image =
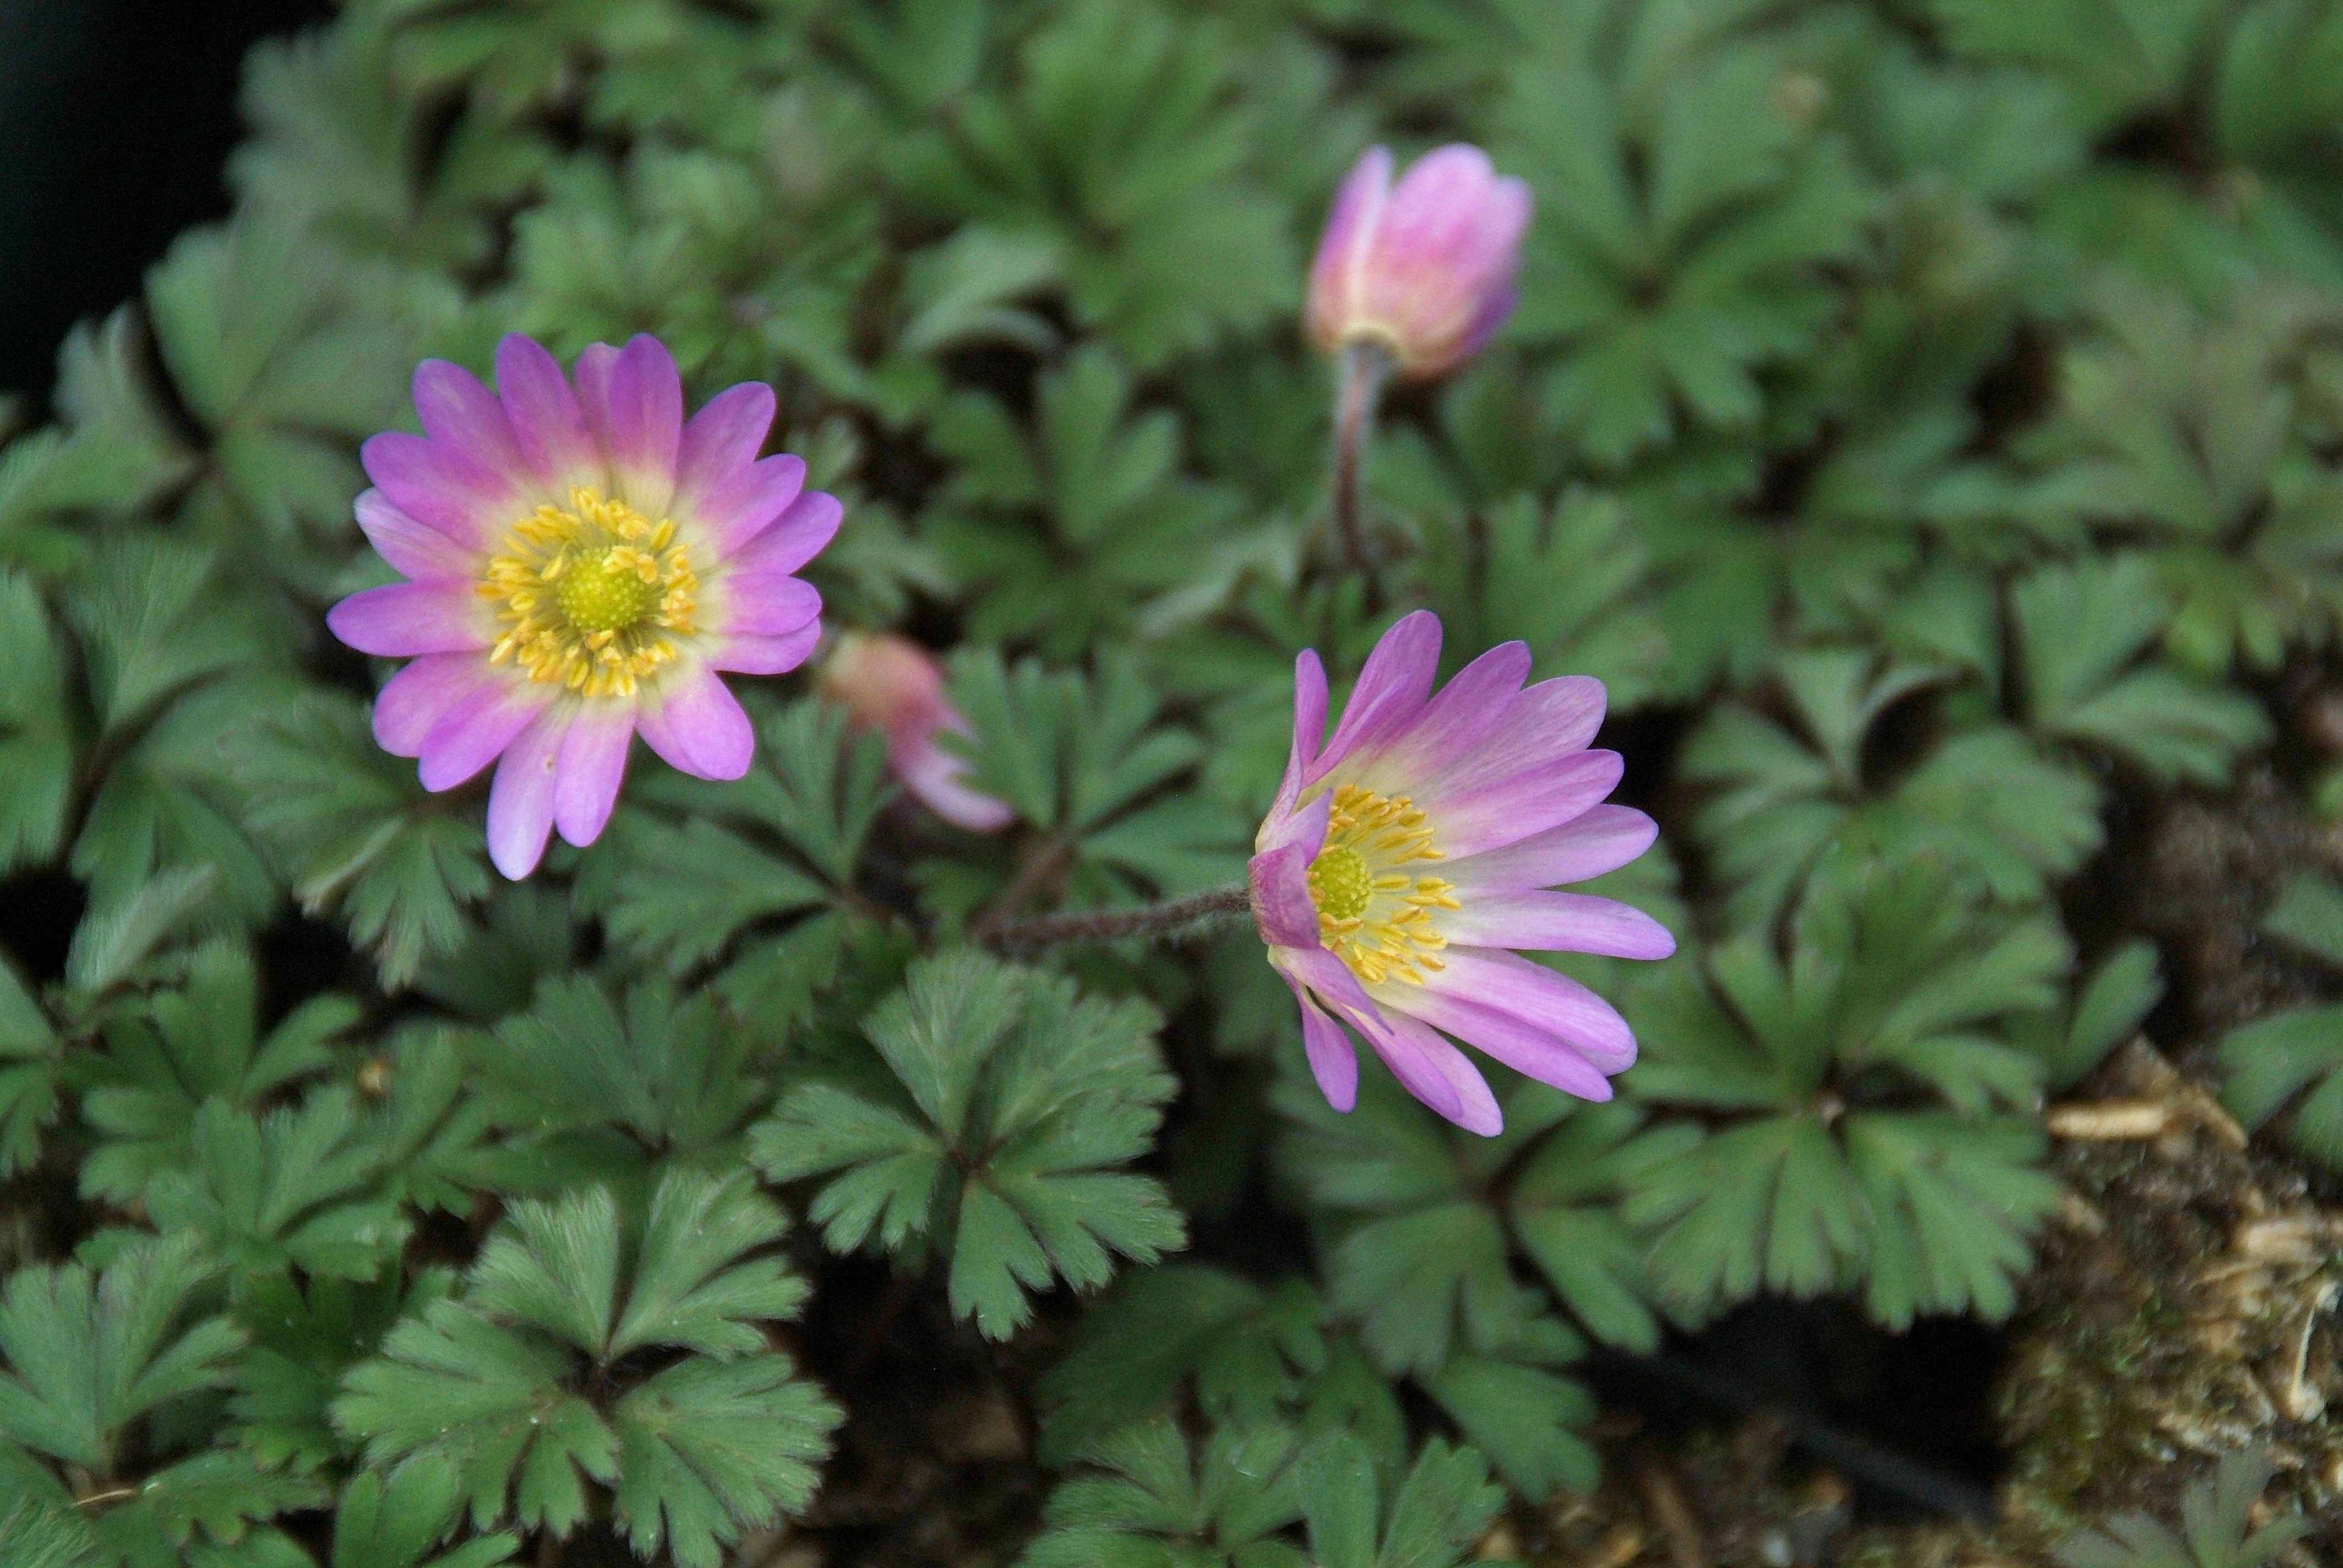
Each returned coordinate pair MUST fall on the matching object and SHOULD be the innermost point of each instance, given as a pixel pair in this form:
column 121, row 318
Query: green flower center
column 1340, row 884
column 1374, row 911
column 600, row 594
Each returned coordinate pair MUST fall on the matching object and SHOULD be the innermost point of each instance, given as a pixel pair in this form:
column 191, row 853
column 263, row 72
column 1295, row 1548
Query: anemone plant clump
column 1256, row 872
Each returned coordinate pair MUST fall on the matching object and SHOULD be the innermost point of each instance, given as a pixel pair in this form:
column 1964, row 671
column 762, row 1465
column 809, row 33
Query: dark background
column 115, row 118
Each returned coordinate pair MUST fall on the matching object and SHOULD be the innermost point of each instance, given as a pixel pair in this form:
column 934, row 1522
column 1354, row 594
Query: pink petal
column 765, row 655
column 760, row 519
column 413, row 550
column 1343, row 249
column 1601, row 840
column 1390, row 692
column 1334, row 1061
column 547, row 426
column 520, row 801
column 1309, row 710
column 937, row 778
column 1450, row 726
column 720, row 440
column 1541, row 723
column 405, row 619
column 768, row 604
column 1433, row 1070
column 1537, row 1002
column 1557, row 923
column 1438, row 210
column 463, row 416
column 1279, row 827
column 442, row 489
column 1528, row 1050
column 476, row 730
column 420, row 695
column 696, row 723
column 1281, row 896
column 1305, row 829
column 1530, row 802
column 633, row 401
column 591, row 767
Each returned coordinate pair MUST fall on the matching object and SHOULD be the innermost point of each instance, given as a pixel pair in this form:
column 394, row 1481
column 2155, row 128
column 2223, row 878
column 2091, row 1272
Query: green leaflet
column 717, row 1443
column 1015, row 1100
column 2289, row 1057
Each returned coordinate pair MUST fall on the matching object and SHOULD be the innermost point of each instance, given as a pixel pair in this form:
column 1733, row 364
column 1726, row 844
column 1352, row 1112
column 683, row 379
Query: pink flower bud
column 1426, row 269
column 892, row 684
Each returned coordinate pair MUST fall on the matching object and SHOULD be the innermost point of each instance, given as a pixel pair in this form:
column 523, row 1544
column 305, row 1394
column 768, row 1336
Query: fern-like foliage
column 2288, row 1061
column 1010, row 1102
column 719, row 1440
column 2216, row 1527
column 1869, row 1128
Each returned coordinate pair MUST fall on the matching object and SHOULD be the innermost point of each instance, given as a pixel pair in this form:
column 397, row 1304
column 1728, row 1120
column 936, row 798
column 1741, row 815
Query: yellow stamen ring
column 1373, row 913
column 592, row 597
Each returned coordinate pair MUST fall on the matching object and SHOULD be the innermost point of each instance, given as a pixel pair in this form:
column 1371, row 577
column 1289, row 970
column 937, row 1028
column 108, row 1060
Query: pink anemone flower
column 894, row 686
column 1406, row 857
column 1424, row 268
column 582, row 565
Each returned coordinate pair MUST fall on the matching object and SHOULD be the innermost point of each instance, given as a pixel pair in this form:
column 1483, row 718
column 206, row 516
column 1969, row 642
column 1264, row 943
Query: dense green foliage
column 1926, row 416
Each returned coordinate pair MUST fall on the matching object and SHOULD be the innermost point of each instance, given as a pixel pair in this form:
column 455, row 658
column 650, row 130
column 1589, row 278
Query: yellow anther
column 592, row 596
column 1372, row 914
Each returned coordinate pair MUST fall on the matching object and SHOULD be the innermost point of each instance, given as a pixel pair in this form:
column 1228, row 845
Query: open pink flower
column 581, row 564
column 1491, row 785
column 1426, row 269
column 892, row 684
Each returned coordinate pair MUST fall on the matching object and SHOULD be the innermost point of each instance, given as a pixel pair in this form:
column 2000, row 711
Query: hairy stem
column 1174, row 920
column 1365, row 366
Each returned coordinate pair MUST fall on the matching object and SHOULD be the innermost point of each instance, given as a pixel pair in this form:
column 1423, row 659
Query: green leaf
column 2080, row 628
column 961, row 291
column 85, row 1357
column 1248, row 1350
column 219, row 1493
column 1525, row 1418
column 1441, row 1508
column 717, row 1442
column 2271, row 1062
column 2113, row 56
column 1894, row 973
column 709, row 1450
column 1569, row 581
column 395, row 1519
column 29, row 1064
column 1952, row 1204
column 303, row 1340
column 291, row 1189
column 287, row 356
column 2106, row 1011
column 34, row 1534
column 1565, row 1215
column 1018, row 1098
column 187, row 1045
column 2309, row 914
column 2216, row 1514
column 351, row 829
column 36, row 745
column 690, row 1287
column 1160, row 1502
column 112, row 944
column 493, row 1402
column 670, row 1071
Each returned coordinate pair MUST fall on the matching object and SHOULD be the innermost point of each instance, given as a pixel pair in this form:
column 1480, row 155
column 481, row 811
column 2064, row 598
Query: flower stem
column 1175, row 920
column 1365, row 366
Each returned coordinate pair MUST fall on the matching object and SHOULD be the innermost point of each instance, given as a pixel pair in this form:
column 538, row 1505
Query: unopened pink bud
column 1425, row 270
column 892, row 684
